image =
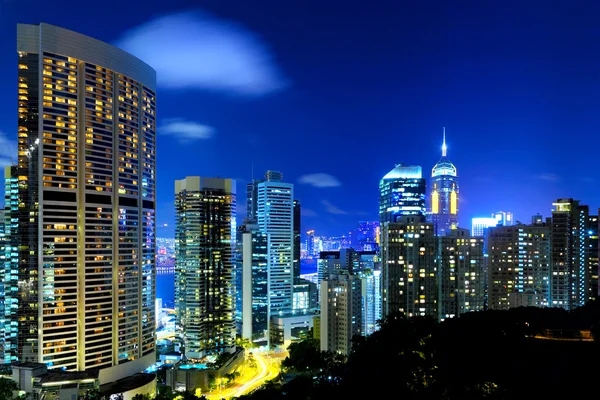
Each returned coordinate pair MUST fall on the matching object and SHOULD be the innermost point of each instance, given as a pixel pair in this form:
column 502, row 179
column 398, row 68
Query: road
column 268, row 368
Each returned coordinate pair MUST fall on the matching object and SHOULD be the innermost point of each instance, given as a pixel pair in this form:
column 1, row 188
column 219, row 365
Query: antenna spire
column 444, row 144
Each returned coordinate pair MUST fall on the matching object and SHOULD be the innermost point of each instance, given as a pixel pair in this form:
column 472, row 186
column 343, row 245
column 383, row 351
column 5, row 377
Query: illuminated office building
column 480, row 225
column 570, row 269
column 204, row 245
column 519, row 266
column 504, row 218
column 444, row 194
column 10, row 261
column 275, row 218
column 409, row 272
column 371, row 299
column 85, row 232
column 461, row 274
column 401, row 193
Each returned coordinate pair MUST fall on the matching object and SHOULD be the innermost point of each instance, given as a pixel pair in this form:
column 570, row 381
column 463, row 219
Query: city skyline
column 505, row 110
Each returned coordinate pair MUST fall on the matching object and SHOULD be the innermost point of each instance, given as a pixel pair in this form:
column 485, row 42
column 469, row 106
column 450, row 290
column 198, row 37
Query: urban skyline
column 490, row 150
column 420, row 292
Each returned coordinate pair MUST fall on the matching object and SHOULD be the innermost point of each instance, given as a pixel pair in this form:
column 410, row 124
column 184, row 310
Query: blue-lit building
column 9, row 261
column 402, row 193
column 444, row 194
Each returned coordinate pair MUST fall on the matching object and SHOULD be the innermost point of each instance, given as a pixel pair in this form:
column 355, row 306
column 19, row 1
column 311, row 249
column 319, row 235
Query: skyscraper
column 461, row 274
column 297, row 240
column 253, row 285
column 204, row 245
column 519, row 266
column 10, row 262
column 85, row 231
column 444, row 194
column 570, row 274
column 341, row 312
column 592, row 247
column 274, row 215
column 409, row 272
column 401, row 192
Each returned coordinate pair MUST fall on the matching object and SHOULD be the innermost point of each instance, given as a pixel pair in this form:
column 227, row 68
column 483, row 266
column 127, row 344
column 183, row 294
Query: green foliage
column 140, row 396
column 7, row 387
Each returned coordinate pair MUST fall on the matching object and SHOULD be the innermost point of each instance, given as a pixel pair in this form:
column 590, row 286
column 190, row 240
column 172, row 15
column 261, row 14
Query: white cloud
column 320, row 180
column 194, row 49
column 549, row 177
column 307, row 212
column 8, row 151
column 330, row 208
column 186, row 131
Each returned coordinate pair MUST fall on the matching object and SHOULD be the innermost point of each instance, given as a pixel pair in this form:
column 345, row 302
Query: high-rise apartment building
column 519, row 266
column 401, row 192
column 592, row 247
column 85, row 224
column 461, row 274
column 205, row 228
column 570, row 269
column 409, row 271
column 341, row 312
column 444, row 194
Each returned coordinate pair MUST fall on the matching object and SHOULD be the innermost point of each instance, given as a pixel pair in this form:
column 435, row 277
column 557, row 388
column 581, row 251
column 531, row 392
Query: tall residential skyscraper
column 86, row 220
column 593, row 249
column 461, row 274
column 409, row 272
column 341, row 312
column 570, row 274
column 401, row 192
column 444, row 194
column 519, row 266
column 205, row 228
column 297, row 240
column 274, row 215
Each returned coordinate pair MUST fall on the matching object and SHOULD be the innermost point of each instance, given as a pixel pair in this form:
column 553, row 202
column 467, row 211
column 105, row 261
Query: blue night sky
column 350, row 88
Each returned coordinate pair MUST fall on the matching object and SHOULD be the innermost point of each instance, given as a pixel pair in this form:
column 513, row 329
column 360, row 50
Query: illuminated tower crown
column 444, row 193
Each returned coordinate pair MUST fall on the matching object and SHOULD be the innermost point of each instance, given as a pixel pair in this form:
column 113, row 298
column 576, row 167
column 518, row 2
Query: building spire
column 444, row 144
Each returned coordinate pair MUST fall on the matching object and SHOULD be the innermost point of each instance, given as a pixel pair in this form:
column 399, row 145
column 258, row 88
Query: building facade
column 401, row 193
column 519, row 266
column 461, row 273
column 444, row 194
column 205, row 227
column 570, row 269
column 86, row 231
column 592, row 232
column 9, row 256
column 253, row 285
column 275, row 218
column 297, row 238
column 409, row 270
column 341, row 312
